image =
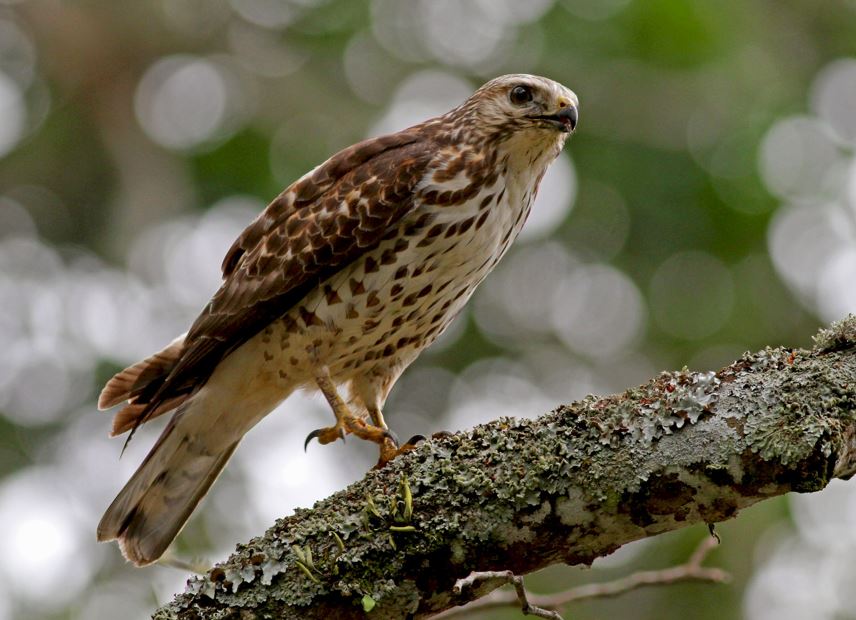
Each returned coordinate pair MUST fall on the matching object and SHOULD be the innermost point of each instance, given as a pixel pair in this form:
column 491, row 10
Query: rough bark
column 570, row 486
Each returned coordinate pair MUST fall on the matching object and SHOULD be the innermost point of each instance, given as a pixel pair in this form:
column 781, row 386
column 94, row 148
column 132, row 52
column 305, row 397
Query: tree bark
column 570, row 486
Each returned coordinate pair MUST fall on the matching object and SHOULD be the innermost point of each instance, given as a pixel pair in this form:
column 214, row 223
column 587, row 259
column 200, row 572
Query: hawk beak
column 565, row 120
column 568, row 117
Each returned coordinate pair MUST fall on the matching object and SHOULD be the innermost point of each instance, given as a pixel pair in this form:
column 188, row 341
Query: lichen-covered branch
column 570, row 486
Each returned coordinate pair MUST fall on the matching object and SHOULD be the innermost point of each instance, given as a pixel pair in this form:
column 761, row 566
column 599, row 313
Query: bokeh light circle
column 184, row 101
column 691, row 295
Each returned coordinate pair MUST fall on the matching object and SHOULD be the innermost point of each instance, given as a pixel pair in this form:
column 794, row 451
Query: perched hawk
column 342, row 281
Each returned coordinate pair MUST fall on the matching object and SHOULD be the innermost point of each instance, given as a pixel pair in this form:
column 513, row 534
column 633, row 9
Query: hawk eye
column 520, row 94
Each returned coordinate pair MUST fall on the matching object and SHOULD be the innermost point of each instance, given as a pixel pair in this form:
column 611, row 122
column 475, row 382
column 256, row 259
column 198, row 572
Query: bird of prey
column 339, row 283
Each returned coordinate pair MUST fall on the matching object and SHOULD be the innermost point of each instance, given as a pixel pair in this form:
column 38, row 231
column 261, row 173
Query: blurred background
column 706, row 206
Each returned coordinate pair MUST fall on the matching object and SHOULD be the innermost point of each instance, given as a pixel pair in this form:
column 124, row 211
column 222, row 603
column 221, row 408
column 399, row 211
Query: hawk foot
column 353, row 425
column 390, row 451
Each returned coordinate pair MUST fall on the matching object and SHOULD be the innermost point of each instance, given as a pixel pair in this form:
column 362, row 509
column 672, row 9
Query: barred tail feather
column 156, row 502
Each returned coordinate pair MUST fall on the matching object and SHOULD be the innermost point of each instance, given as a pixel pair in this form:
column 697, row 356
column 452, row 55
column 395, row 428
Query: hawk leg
column 389, row 448
column 347, row 422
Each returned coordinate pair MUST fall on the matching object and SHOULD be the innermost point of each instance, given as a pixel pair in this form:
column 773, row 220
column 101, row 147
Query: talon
column 325, row 435
column 310, row 437
column 415, row 440
column 388, row 434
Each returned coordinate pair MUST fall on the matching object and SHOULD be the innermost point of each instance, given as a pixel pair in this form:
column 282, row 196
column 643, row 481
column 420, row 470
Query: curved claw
column 322, row 435
column 310, row 437
column 415, row 440
column 392, row 437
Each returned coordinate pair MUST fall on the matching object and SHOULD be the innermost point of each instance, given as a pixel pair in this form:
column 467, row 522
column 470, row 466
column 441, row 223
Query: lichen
column 840, row 335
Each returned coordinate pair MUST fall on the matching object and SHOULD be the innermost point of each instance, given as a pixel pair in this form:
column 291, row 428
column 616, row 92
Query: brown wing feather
column 314, row 228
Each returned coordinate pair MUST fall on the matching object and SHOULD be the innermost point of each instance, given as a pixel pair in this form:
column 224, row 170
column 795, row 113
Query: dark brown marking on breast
column 388, row 350
column 309, row 318
column 435, row 230
column 357, row 287
column 506, row 237
column 388, row 257
column 409, row 300
column 486, row 201
column 466, row 224
column 372, row 299
column 450, row 198
column 369, row 325
column 370, row 265
column 482, row 219
column 331, row 295
column 396, row 290
column 401, row 272
column 403, row 342
column 451, row 231
column 282, row 374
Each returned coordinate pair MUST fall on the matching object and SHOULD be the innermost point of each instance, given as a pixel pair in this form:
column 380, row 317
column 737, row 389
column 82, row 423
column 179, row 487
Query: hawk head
column 525, row 103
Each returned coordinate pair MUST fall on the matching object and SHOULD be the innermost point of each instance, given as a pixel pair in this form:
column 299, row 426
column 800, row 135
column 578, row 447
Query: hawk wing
column 316, row 227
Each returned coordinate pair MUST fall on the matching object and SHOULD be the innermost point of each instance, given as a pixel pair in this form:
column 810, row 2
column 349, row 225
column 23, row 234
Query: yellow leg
column 346, row 421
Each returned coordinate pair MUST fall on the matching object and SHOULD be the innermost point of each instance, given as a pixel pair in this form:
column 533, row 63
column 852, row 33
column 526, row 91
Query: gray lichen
column 571, row 486
column 841, row 334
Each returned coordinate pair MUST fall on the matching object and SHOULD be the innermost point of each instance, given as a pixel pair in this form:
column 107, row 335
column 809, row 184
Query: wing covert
column 316, row 227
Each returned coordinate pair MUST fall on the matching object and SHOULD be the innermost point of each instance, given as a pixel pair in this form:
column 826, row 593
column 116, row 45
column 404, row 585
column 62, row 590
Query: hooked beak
column 565, row 120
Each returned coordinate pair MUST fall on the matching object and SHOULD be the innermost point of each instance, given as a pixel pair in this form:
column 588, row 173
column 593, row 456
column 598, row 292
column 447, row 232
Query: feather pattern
column 354, row 269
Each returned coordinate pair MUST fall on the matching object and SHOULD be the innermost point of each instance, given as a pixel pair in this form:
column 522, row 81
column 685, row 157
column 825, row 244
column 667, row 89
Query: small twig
column 520, row 594
column 538, row 605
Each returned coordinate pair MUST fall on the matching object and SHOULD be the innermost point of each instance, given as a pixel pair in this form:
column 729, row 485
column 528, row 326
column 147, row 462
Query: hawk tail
column 137, row 384
column 154, row 505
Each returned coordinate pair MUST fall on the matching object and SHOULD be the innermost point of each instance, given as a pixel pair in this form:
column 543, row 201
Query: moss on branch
column 570, row 486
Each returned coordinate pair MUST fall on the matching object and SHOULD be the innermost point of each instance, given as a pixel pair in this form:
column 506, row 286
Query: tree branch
column 691, row 570
column 570, row 486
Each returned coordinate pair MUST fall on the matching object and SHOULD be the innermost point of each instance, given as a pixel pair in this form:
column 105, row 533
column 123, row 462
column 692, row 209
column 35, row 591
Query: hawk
column 339, row 283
